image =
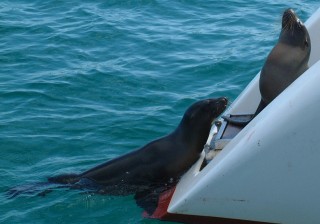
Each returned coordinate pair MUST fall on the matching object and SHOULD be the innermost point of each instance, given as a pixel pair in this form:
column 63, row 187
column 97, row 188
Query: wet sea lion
column 162, row 159
column 150, row 169
column 285, row 63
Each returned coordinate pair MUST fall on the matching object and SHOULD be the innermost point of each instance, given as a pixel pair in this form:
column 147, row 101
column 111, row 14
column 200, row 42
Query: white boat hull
column 269, row 171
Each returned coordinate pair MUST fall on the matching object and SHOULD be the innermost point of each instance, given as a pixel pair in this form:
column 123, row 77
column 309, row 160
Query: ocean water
column 82, row 82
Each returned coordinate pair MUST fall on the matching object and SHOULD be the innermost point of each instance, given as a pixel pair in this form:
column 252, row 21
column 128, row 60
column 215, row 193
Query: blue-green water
column 82, row 82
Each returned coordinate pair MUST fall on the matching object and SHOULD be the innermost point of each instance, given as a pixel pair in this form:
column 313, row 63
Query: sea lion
column 285, row 63
column 151, row 169
column 161, row 160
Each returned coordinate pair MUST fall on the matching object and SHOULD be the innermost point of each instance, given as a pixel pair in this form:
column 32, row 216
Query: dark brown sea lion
column 286, row 62
column 149, row 170
column 163, row 159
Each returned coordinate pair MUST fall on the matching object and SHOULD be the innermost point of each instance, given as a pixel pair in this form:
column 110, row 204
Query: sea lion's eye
column 306, row 43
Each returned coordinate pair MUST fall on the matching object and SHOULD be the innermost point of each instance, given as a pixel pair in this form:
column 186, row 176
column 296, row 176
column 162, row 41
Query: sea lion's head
column 205, row 111
column 294, row 32
column 197, row 120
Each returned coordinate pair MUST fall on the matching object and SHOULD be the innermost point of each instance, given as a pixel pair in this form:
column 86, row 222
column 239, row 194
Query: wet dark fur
column 148, row 171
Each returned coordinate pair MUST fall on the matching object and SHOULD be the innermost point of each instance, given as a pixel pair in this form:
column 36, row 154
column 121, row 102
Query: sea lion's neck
column 193, row 138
